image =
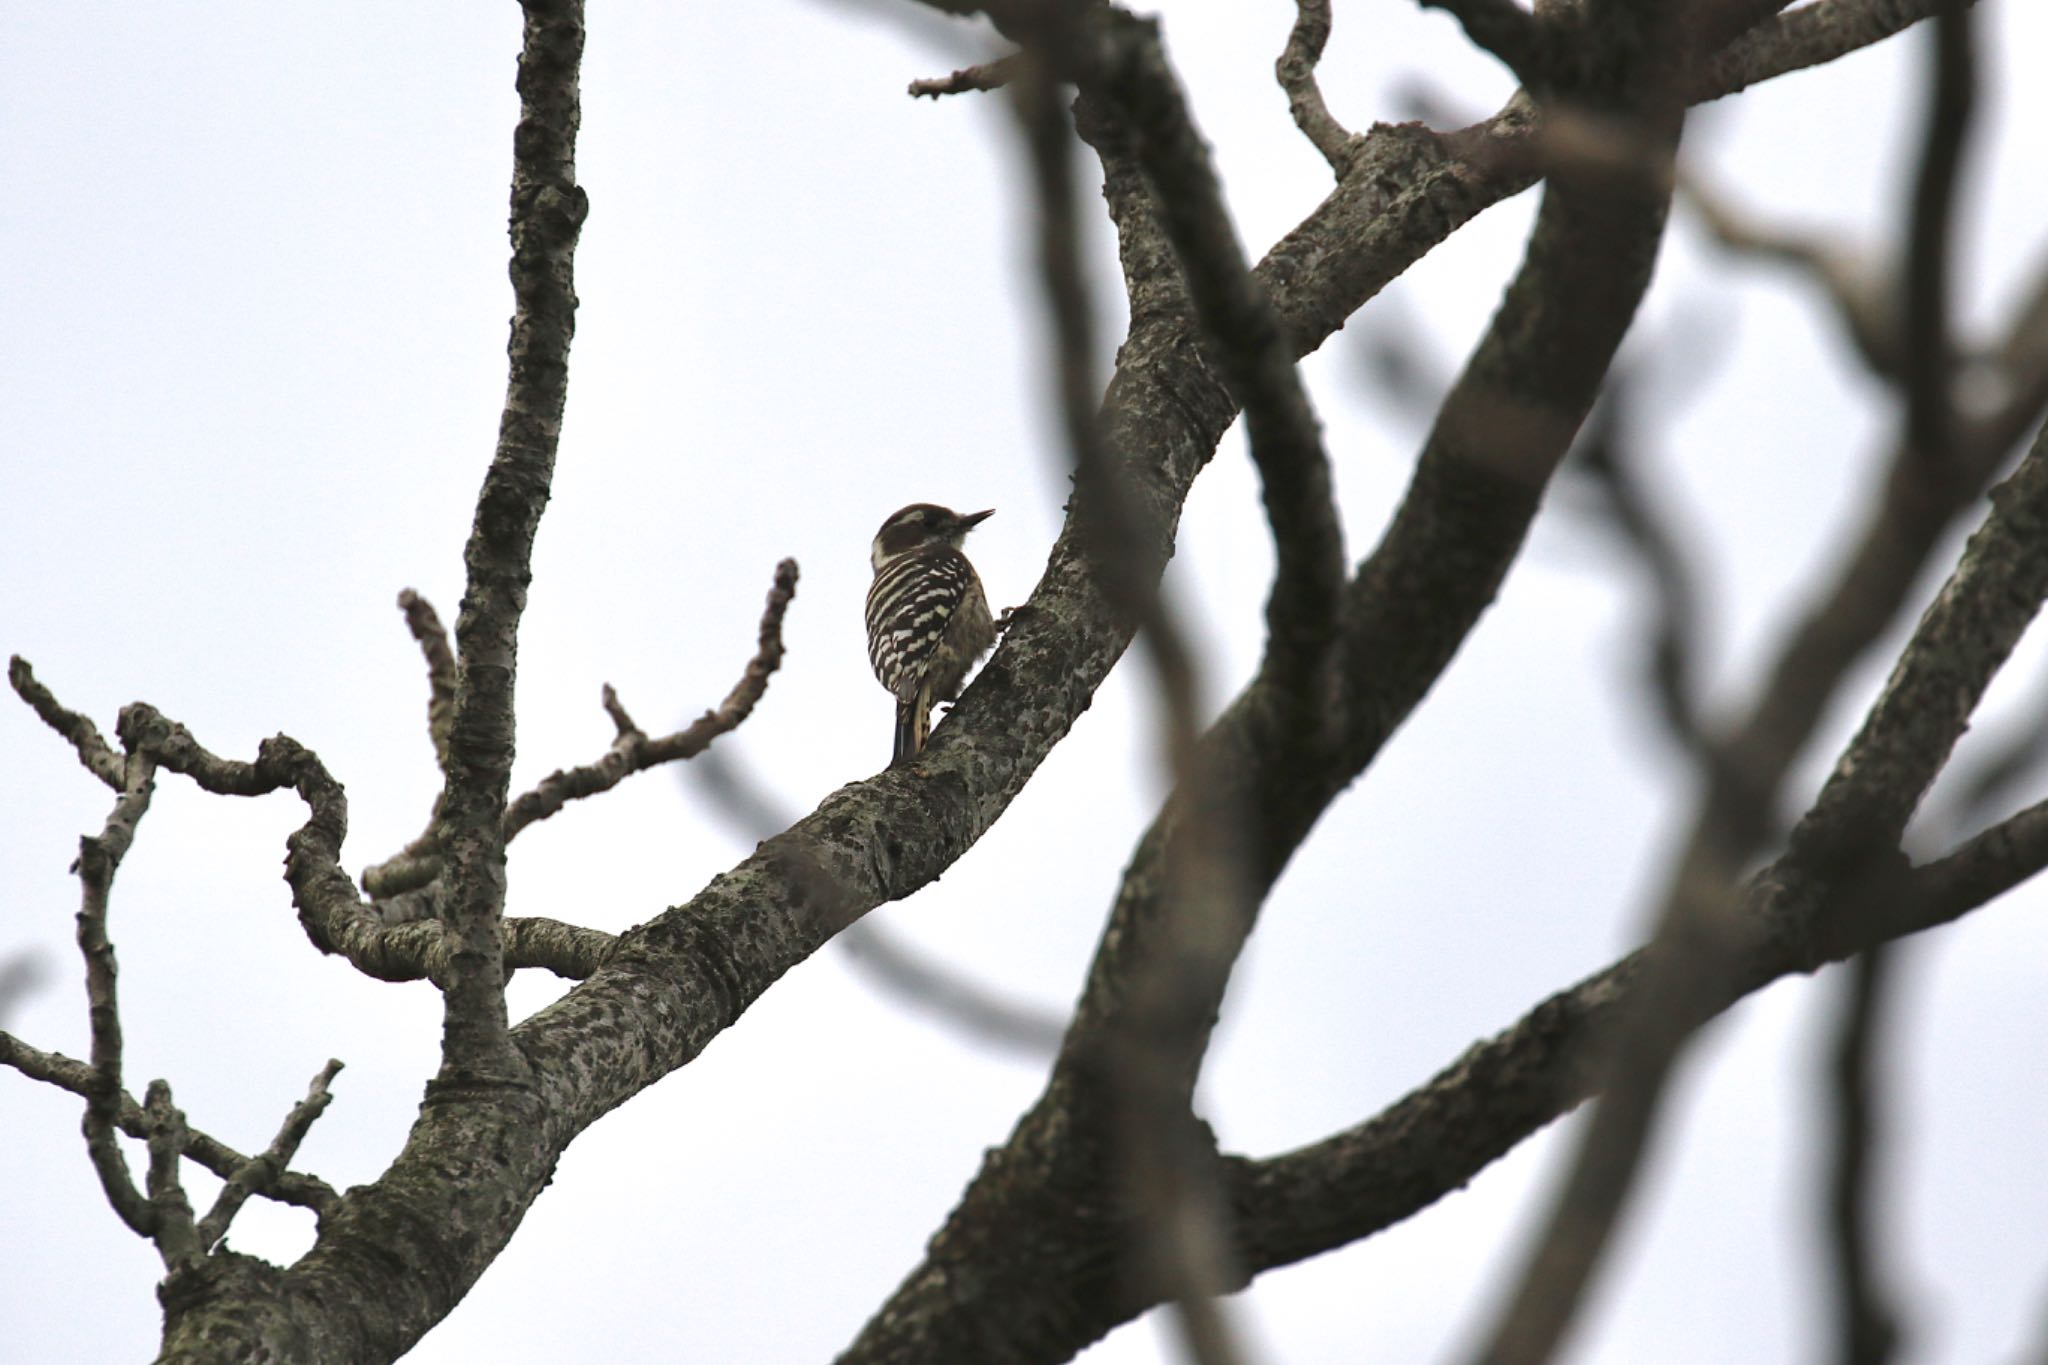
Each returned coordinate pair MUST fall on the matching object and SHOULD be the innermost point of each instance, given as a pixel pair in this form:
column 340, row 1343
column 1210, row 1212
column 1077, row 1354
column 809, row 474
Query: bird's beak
column 973, row 519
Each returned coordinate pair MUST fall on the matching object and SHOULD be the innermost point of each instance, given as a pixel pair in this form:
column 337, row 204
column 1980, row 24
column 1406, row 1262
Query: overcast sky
column 256, row 306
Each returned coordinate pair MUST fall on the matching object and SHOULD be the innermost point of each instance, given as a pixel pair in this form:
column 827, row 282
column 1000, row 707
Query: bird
column 928, row 618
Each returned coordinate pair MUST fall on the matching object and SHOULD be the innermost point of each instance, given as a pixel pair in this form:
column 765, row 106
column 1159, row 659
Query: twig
column 1670, row 659
column 1929, row 361
column 67, row 1073
column 1868, row 312
column 977, row 1012
column 1866, row 1326
column 1808, row 36
column 176, row 1241
column 1295, row 69
column 261, row 1171
column 986, row 76
column 417, row 865
column 99, row 857
column 427, row 630
column 633, row 752
column 94, row 752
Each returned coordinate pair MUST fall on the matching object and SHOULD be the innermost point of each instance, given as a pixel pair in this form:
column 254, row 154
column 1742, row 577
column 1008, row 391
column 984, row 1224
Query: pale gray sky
column 256, row 305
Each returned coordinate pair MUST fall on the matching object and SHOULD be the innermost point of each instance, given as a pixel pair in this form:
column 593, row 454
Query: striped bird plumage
column 927, row 616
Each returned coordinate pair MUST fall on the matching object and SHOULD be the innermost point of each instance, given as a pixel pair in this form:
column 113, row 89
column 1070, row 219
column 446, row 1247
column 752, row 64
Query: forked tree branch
column 1295, row 69
column 1521, row 40
column 68, row 1073
column 1477, row 484
column 400, row 1251
column 548, row 208
column 1848, row 841
column 633, row 752
column 1437, row 1138
column 263, row 1170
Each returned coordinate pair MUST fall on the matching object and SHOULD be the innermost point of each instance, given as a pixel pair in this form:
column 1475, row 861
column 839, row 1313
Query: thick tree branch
column 1476, row 487
column 1808, row 36
column 1254, row 357
column 1434, row 1140
column 548, row 208
column 1845, row 842
column 1115, row 534
column 1178, row 1245
column 1913, row 511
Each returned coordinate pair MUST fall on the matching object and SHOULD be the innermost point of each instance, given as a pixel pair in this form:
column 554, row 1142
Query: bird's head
column 920, row 526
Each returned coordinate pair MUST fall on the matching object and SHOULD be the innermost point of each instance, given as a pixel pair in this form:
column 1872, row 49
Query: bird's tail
column 913, row 723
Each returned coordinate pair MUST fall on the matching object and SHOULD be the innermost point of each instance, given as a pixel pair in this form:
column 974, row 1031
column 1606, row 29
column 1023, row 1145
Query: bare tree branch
column 66, row 1073
column 986, row 76
column 1866, row 1326
column 1177, row 1246
column 261, row 1171
column 633, row 752
column 1296, row 71
column 1503, row 28
column 1869, row 313
column 176, row 1240
column 1254, row 356
column 419, row 862
column 548, row 208
column 432, row 636
column 895, row 967
column 1807, row 36
column 94, row 752
column 1434, row 1140
column 98, row 859
column 1604, row 453
column 1929, row 353
column 1850, row 836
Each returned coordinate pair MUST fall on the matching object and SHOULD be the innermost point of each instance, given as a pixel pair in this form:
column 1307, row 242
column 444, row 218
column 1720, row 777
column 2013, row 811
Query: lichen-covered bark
column 1027, row 1268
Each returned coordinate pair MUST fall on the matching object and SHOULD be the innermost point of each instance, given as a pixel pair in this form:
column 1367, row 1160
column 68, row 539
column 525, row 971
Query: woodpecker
column 928, row 618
